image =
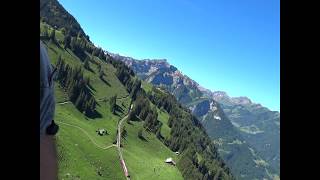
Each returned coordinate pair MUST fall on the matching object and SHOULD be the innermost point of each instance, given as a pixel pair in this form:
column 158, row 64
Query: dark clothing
column 47, row 100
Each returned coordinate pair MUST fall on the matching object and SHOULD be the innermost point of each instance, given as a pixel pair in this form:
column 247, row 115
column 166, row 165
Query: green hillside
column 145, row 158
column 94, row 92
column 247, row 137
column 82, row 152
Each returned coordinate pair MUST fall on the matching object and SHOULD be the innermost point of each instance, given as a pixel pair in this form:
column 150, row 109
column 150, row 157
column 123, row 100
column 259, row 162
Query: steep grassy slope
column 82, row 153
column 234, row 142
column 90, row 79
column 145, row 157
column 52, row 12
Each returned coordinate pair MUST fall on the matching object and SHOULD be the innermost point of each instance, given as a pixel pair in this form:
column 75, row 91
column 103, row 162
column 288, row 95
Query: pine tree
column 79, row 101
column 73, row 44
column 113, row 103
column 95, row 52
column 101, row 74
column 53, row 35
column 99, row 67
column 101, row 54
column 170, row 121
column 86, row 63
column 90, row 105
column 79, row 34
column 140, row 135
column 131, row 115
column 67, row 41
column 158, row 134
column 59, row 61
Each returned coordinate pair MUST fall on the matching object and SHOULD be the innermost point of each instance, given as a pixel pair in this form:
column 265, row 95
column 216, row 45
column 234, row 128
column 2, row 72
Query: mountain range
column 112, row 124
column 214, row 135
column 247, row 134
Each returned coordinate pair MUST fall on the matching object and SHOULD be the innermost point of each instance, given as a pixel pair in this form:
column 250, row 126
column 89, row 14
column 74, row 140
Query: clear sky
column 228, row 45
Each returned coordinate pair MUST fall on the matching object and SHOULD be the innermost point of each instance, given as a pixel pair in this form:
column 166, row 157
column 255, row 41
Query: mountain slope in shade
column 258, row 125
column 237, row 125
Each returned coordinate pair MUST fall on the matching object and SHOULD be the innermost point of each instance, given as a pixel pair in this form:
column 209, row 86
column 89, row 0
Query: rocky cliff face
column 246, row 133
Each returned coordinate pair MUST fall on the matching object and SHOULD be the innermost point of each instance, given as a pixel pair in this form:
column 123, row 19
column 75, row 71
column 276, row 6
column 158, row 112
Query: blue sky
column 228, row 45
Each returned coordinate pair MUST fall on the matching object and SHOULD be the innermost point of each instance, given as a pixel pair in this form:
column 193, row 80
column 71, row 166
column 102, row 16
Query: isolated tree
column 140, row 135
column 95, row 52
column 73, row 44
column 67, row 41
column 170, row 121
column 53, row 35
column 101, row 74
column 99, row 67
column 59, row 61
column 101, row 55
column 113, row 104
column 135, row 88
column 91, row 105
column 82, row 43
column 79, row 34
column 158, row 134
column 86, row 63
column 131, row 115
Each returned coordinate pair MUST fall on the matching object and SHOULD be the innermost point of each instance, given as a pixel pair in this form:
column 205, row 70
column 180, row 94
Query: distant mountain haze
column 247, row 134
column 233, row 43
column 223, row 137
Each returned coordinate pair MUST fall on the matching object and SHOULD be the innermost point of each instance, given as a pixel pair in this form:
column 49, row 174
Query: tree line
column 142, row 108
column 76, row 42
column 76, row 86
column 200, row 159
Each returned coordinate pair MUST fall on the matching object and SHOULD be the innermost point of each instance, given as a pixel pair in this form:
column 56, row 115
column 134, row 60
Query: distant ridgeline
column 247, row 135
column 200, row 159
column 198, row 156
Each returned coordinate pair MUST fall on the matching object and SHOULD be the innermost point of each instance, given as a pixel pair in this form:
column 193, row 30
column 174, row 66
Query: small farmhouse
column 170, row 161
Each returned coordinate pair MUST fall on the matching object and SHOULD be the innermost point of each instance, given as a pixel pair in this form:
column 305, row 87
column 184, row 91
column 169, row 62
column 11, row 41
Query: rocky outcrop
column 202, row 108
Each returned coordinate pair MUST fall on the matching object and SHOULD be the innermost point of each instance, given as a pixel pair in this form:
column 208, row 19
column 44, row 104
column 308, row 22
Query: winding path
column 65, row 102
column 118, row 135
column 119, row 143
column 101, row 99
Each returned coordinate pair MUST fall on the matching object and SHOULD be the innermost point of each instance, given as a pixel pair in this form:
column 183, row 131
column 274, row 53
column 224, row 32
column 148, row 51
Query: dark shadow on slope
column 91, row 87
column 117, row 114
column 119, row 108
column 58, row 45
column 94, row 115
column 53, row 49
column 98, row 103
column 90, row 69
column 68, row 51
column 143, row 138
column 106, row 82
column 80, row 54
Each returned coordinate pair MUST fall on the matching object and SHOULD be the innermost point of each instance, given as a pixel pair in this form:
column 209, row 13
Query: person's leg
column 48, row 161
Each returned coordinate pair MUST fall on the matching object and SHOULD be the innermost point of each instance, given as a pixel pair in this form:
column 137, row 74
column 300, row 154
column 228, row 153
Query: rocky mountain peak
column 241, row 100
